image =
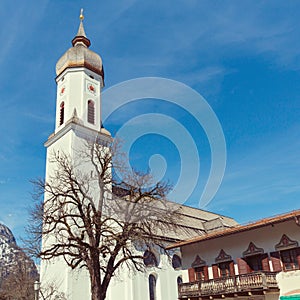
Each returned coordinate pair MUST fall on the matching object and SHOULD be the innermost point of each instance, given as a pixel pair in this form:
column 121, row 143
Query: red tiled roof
column 240, row 228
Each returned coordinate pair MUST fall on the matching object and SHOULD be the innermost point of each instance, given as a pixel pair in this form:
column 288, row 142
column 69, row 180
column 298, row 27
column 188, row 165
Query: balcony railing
column 227, row 285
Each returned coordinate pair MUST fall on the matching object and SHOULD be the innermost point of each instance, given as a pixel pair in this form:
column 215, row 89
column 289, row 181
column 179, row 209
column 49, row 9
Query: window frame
column 152, row 282
column 62, row 113
column 199, row 273
column 224, row 269
column 91, row 112
column 292, row 256
column 150, row 259
column 176, row 262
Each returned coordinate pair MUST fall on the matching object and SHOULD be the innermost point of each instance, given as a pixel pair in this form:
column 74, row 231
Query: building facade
column 80, row 79
column 260, row 260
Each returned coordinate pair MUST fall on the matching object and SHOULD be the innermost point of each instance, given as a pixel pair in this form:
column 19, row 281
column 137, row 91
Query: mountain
column 12, row 258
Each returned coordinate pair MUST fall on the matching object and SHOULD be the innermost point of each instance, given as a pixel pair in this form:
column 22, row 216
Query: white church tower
column 80, row 79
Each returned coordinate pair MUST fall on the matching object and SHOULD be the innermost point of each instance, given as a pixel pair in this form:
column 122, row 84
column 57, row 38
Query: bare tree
column 49, row 292
column 98, row 220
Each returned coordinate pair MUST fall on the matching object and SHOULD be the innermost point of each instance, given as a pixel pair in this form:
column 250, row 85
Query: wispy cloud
column 251, row 25
column 195, row 42
column 40, row 118
column 14, row 34
column 4, row 181
column 263, row 176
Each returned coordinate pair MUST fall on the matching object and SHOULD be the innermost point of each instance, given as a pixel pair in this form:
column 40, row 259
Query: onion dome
column 80, row 55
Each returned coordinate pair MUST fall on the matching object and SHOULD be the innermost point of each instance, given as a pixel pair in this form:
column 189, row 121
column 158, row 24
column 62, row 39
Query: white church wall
column 135, row 286
column 77, row 87
column 127, row 285
column 78, row 284
column 54, row 274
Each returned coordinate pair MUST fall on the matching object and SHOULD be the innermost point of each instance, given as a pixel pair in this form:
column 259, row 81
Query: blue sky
column 243, row 57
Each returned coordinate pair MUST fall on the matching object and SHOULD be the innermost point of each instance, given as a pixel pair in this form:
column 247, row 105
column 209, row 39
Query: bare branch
column 95, row 220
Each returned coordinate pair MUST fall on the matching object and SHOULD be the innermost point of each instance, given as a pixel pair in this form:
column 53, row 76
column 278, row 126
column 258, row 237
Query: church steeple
column 80, row 79
column 80, row 55
column 78, row 122
column 81, row 36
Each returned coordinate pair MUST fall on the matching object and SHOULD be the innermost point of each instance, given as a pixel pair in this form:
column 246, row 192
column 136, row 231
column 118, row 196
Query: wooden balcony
column 230, row 285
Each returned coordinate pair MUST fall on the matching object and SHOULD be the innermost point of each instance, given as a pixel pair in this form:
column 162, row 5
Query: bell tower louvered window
column 91, row 112
column 62, row 113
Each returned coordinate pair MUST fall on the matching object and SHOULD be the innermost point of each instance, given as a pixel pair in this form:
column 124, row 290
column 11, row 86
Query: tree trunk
column 95, row 277
column 96, row 287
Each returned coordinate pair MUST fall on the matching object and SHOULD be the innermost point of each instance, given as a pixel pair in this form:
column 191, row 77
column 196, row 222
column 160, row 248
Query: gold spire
column 79, row 55
column 81, row 17
column 81, row 36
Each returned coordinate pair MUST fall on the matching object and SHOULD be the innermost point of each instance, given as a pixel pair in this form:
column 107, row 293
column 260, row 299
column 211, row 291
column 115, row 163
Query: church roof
column 192, row 222
column 80, row 55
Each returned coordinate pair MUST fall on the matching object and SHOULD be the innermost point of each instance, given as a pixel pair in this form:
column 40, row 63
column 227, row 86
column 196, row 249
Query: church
column 80, row 80
column 210, row 256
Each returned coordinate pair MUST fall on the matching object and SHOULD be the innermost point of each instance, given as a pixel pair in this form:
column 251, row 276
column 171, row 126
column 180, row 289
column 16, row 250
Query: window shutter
column 205, row 271
column 191, row 272
column 231, row 268
column 243, row 266
column 215, row 270
column 265, row 262
column 275, row 258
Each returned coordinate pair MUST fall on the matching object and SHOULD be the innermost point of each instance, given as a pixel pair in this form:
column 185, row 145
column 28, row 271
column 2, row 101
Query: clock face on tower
column 91, row 88
column 62, row 90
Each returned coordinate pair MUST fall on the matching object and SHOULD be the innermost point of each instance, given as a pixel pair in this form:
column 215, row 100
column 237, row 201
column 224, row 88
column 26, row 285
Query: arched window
column 152, row 287
column 150, row 259
column 179, row 281
column 91, row 112
column 62, row 113
column 176, row 262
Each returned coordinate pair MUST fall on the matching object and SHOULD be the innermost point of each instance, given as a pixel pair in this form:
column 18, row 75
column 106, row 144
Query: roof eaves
column 239, row 228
